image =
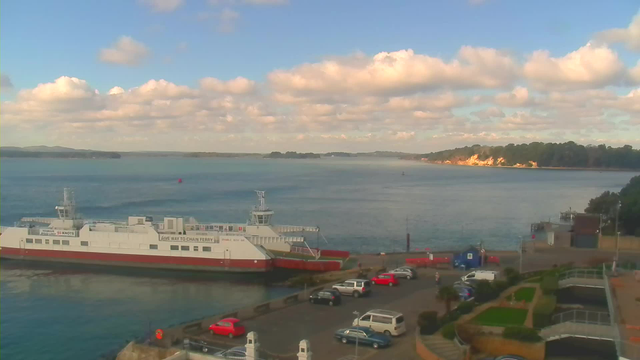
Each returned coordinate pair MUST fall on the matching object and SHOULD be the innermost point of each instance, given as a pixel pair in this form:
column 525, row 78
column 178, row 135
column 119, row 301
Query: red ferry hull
column 147, row 261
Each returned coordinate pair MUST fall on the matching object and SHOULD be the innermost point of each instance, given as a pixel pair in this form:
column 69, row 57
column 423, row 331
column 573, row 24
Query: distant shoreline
column 530, row 168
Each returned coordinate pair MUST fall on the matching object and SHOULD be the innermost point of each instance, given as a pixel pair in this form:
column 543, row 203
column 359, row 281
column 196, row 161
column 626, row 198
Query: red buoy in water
column 179, row 181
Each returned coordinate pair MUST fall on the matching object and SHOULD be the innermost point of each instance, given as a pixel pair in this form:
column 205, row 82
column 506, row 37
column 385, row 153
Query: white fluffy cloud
column 125, row 51
column 238, row 85
column 227, row 20
column 517, row 98
column 629, row 36
column 399, row 72
column 162, row 5
column 588, row 67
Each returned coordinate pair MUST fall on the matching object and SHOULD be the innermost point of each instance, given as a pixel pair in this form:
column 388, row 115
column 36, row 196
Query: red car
column 385, row 279
column 228, row 327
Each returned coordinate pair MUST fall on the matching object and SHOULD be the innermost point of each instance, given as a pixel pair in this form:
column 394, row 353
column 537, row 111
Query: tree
column 447, row 294
column 604, row 205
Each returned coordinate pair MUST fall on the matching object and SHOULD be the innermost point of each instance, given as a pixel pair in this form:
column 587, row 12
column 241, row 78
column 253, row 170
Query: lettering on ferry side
column 184, row 238
column 52, row 232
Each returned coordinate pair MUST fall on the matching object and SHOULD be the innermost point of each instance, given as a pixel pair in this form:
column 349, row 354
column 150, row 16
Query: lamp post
column 521, row 245
column 357, row 314
column 617, row 233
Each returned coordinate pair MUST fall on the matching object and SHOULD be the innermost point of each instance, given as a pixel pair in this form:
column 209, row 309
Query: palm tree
column 447, row 294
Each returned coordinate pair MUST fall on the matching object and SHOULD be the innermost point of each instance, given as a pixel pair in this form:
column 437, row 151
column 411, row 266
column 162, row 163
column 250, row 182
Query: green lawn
column 525, row 293
column 497, row 316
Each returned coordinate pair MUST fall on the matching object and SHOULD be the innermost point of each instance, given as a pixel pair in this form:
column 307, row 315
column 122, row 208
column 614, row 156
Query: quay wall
column 625, row 243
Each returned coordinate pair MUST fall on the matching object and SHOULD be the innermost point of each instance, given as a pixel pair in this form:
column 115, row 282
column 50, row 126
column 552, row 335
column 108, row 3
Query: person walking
column 437, row 278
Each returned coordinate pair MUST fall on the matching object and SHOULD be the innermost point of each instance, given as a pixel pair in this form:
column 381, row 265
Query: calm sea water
column 360, row 204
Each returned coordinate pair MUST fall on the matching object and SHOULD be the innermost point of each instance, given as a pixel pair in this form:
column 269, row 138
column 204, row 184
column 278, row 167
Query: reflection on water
column 82, row 311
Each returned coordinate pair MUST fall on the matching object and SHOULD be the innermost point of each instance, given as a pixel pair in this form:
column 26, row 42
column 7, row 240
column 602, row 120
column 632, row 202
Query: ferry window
column 65, row 242
column 84, row 243
column 206, row 248
column 175, row 247
column 184, row 248
column 55, row 242
column 195, row 248
column 153, row 247
column 38, row 241
column 29, row 241
column 230, row 228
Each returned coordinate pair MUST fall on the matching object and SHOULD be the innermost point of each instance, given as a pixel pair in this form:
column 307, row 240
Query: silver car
column 238, row 353
column 404, row 272
column 354, row 287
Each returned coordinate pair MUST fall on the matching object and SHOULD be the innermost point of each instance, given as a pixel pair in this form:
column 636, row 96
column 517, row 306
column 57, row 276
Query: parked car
column 385, row 279
column 230, row 327
column 384, row 321
column 472, row 283
column 405, row 272
column 364, row 335
column 465, row 293
column 510, row 357
column 481, row 275
column 238, row 352
column 327, row 297
column 355, row 287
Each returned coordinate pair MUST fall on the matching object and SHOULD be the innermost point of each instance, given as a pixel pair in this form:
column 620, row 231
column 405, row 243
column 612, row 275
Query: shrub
column 543, row 310
column 500, row 286
column 521, row 333
column 449, row 317
column 465, row 307
column 428, row 322
column 449, row 331
column 549, row 284
column 511, row 275
column 485, row 292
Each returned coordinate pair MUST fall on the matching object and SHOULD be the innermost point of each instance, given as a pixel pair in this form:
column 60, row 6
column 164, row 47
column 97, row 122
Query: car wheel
column 390, row 284
column 204, row 349
column 344, row 340
column 356, row 294
column 230, row 335
column 330, row 303
column 211, row 331
column 387, row 332
column 375, row 345
column 312, row 301
column 408, row 277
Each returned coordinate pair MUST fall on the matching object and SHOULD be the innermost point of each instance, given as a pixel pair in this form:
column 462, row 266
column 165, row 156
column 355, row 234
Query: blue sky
column 42, row 41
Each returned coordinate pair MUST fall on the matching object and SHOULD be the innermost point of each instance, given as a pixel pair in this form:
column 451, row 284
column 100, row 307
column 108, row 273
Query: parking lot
column 280, row 331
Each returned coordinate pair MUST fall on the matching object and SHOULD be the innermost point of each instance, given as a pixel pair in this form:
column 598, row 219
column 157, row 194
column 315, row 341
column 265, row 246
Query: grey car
column 354, row 287
column 237, row 353
column 405, row 272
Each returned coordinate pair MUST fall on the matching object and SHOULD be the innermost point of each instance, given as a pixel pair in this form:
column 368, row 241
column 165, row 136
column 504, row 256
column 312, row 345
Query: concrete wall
column 626, row 243
column 141, row 352
column 497, row 346
column 562, row 239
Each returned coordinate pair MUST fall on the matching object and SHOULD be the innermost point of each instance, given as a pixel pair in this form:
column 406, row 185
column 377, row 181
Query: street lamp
column 357, row 314
column 617, row 233
column 521, row 245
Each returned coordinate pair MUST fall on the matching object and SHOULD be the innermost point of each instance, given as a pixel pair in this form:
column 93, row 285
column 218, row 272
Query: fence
column 581, row 274
column 583, row 317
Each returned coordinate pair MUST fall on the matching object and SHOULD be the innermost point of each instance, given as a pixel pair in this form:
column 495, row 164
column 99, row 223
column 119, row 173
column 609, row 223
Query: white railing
column 577, row 329
column 581, row 274
column 295, row 228
column 583, row 317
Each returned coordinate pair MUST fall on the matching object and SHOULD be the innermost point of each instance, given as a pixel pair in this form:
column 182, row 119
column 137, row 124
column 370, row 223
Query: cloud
column 399, row 72
column 403, row 135
column 5, row 83
column 588, row 67
column 517, row 98
column 126, row 51
column 446, row 100
column 182, row 47
column 629, row 36
column 634, row 74
column 489, row 113
column 227, row 20
column 163, row 6
column 238, row 85
column 267, row 2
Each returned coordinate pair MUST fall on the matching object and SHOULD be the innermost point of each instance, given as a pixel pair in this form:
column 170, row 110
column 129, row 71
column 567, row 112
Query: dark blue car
column 364, row 335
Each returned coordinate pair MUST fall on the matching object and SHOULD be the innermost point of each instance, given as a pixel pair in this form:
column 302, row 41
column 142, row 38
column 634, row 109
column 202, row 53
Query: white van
column 481, row 275
column 384, row 321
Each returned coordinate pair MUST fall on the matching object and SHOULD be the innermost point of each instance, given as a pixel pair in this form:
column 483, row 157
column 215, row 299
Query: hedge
column 465, row 307
column 428, row 322
column 521, row 333
column 549, row 284
column 485, row 292
column 449, row 317
column 449, row 331
column 543, row 310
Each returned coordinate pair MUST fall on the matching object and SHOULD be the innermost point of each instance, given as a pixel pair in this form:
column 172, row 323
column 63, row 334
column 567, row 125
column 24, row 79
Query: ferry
column 173, row 243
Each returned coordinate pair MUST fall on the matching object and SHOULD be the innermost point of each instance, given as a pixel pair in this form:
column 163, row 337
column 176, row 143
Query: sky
column 318, row 75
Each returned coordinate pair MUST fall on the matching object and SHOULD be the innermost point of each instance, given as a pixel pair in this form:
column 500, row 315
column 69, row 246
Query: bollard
column 305, row 350
column 252, row 346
